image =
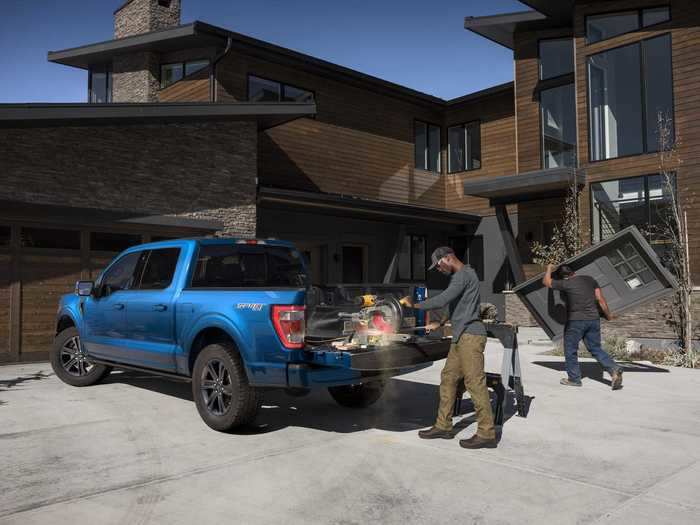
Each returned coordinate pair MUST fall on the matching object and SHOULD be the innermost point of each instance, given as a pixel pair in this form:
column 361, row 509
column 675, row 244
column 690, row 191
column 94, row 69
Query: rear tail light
column 290, row 325
column 251, row 241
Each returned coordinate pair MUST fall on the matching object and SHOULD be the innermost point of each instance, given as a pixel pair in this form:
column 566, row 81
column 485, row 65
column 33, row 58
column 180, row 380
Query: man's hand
column 611, row 316
column 550, row 267
column 406, row 301
column 432, row 326
column 547, row 280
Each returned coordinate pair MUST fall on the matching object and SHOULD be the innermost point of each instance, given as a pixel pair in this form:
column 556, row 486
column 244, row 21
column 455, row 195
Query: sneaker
column 435, row 433
column 477, row 441
column 568, row 382
column 616, row 379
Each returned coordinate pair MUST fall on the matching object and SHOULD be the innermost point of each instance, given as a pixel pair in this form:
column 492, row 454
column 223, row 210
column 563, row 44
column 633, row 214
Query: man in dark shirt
column 583, row 296
column 465, row 360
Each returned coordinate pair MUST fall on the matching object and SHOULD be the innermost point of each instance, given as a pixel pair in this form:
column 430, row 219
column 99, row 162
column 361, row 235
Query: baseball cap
column 438, row 254
column 565, row 271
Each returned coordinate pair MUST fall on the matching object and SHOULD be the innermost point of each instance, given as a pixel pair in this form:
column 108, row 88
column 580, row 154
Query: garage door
column 4, row 293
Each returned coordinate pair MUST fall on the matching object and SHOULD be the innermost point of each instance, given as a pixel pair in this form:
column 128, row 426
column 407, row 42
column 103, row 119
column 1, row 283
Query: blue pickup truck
column 230, row 316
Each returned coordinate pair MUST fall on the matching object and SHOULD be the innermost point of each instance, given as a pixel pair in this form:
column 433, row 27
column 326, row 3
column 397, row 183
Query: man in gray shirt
column 465, row 360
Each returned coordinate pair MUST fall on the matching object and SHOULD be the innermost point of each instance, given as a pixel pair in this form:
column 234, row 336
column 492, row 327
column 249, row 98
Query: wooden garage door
column 4, row 306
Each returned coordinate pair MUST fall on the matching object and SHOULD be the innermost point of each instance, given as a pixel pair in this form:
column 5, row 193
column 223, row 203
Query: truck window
column 160, row 268
column 248, row 266
column 120, row 275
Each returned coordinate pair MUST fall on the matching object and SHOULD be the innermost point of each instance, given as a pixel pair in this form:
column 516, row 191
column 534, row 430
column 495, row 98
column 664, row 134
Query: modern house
column 194, row 129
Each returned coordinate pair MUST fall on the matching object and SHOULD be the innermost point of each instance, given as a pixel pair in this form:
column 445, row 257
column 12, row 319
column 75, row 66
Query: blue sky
column 416, row 43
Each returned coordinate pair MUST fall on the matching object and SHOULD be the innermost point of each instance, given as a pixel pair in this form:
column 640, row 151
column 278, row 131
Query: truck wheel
column 224, row 398
column 357, row 396
column 70, row 362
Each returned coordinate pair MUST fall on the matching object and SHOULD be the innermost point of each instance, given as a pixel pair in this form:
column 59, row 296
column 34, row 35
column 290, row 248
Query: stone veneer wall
column 143, row 16
column 135, row 77
column 645, row 322
column 203, row 170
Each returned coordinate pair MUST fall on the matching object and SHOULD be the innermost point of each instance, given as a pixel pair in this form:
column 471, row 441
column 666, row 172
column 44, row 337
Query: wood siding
column 193, row 88
column 684, row 28
column 496, row 115
column 5, row 295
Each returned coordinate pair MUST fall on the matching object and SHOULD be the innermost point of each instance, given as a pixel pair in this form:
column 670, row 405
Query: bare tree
column 673, row 231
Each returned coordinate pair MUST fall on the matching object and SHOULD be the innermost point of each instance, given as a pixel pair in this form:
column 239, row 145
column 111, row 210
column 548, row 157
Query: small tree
column 673, row 230
column 566, row 237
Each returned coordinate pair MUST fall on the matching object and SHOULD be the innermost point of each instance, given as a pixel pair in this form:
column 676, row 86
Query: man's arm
column 547, row 281
column 441, row 300
column 603, row 304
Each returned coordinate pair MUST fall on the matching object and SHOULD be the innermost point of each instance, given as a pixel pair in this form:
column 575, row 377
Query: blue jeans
column 589, row 331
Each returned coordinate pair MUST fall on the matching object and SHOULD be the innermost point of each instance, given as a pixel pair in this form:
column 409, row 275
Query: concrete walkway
column 134, row 451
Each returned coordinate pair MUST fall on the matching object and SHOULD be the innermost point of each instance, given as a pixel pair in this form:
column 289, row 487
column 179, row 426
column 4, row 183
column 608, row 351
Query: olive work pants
column 466, row 360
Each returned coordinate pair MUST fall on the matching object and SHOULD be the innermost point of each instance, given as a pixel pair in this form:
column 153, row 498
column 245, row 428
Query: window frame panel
column 570, row 39
column 640, row 21
column 428, row 126
column 543, row 156
column 183, row 70
column 468, row 140
column 105, row 69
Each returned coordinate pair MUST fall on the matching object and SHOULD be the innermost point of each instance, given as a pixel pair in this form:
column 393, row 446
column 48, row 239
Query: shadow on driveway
column 405, row 406
column 595, row 372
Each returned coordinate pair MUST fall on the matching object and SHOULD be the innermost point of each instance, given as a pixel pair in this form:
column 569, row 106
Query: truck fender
column 213, row 321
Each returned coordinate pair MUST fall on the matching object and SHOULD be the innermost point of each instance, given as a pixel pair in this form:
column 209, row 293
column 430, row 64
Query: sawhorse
column 509, row 377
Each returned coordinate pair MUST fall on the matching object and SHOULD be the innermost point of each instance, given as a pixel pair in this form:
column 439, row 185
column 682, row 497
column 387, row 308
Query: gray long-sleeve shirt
column 462, row 296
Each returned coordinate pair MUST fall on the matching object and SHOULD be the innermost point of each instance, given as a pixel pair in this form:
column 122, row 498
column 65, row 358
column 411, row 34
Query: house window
column 602, row 27
column 640, row 201
column 464, row 147
column 629, row 87
column 264, row 90
column 112, row 242
column 412, row 259
column 558, row 114
column 50, row 238
column 100, row 84
column 427, row 146
column 5, row 235
column 556, row 57
column 171, row 73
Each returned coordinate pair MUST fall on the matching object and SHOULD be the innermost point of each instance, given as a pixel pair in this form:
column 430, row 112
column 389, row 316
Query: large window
column 50, row 238
column 5, row 235
column 557, row 107
column 639, row 201
column 264, row 90
column 427, row 146
column 412, row 259
column 629, row 87
column 464, row 152
column 556, row 57
column 113, row 242
column 100, row 84
column 602, row 27
column 171, row 73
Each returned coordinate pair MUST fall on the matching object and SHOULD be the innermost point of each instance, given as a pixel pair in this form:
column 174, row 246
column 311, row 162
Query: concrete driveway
column 134, row 451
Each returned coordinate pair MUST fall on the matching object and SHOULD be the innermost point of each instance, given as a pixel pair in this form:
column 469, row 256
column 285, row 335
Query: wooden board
column 4, row 305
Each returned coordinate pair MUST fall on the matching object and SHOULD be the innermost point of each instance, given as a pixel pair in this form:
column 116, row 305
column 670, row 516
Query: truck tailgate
column 391, row 357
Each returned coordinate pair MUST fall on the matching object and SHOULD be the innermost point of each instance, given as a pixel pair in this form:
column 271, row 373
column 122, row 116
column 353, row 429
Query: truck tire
column 71, row 364
column 357, row 396
column 224, row 398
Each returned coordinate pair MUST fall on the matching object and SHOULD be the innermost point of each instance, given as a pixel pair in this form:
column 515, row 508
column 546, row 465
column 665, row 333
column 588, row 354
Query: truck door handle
column 118, row 306
column 160, row 307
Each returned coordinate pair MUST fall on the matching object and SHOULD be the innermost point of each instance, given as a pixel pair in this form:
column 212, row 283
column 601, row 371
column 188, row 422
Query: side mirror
column 84, row 288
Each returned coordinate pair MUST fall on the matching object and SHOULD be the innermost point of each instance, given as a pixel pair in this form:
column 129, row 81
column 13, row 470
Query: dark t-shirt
column 581, row 304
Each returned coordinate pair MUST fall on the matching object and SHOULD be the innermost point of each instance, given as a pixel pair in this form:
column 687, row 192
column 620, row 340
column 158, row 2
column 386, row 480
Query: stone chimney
column 143, row 16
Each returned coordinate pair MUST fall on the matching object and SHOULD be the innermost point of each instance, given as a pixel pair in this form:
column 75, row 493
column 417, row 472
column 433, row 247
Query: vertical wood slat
column 15, row 296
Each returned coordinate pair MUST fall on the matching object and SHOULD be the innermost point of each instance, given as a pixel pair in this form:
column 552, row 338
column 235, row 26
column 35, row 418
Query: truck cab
column 230, row 316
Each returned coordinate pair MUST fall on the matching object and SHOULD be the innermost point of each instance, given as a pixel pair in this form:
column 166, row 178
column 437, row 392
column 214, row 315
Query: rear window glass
column 248, row 266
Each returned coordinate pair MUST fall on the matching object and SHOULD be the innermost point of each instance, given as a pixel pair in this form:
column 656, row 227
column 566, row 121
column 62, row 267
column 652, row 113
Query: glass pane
column 628, row 251
column 292, row 94
column 353, row 264
column 637, row 264
column 634, row 282
column 120, row 276
column 404, row 271
column 160, row 268
column 98, row 87
column 558, row 108
column 615, row 93
column 615, row 258
column 169, row 74
column 261, row 90
column 418, row 249
column 194, row 66
column 473, row 146
column 647, row 276
column 112, row 242
column 44, row 238
column 556, row 58
column 600, row 27
column 624, row 270
column 421, row 145
column 658, row 87
column 434, row 149
column 456, row 142
column 5, row 235
column 655, row 16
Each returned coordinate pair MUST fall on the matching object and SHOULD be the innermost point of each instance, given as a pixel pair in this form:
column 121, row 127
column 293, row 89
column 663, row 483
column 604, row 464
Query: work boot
column 435, row 433
column 476, row 441
column 616, row 378
column 568, row 382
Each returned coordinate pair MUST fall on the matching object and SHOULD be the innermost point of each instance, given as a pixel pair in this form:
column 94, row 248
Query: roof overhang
column 367, row 208
column 502, row 28
column 527, row 186
column 267, row 115
column 196, row 34
column 561, row 10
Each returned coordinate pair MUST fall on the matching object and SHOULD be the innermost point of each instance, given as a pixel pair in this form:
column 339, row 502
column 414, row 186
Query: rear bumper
column 326, row 366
